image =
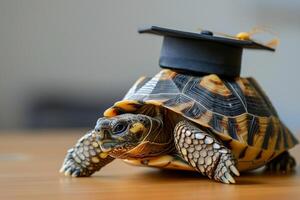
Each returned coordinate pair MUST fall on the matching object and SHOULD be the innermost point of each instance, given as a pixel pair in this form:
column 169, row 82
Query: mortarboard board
column 201, row 52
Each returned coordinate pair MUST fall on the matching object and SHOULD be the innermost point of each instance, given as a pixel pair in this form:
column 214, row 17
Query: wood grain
column 29, row 164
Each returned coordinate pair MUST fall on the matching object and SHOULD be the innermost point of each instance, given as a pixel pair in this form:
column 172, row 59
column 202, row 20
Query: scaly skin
column 205, row 153
column 111, row 138
column 86, row 157
column 118, row 137
column 283, row 163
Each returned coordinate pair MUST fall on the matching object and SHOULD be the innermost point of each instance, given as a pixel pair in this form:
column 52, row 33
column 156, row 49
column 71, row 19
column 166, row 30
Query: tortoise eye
column 120, row 128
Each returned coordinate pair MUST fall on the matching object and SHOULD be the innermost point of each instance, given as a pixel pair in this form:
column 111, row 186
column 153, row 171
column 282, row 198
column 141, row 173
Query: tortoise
column 214, row 125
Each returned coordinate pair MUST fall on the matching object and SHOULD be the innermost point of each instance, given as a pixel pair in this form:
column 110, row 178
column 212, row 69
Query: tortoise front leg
column 85, row 158
column 205, row 153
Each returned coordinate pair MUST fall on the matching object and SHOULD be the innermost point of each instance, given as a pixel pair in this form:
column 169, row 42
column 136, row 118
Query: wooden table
column 29, row 164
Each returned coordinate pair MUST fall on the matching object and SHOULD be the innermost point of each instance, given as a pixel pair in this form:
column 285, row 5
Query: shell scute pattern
column 232, row 108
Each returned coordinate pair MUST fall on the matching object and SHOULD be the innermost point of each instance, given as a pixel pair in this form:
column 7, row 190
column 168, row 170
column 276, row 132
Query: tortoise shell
column 236, row 110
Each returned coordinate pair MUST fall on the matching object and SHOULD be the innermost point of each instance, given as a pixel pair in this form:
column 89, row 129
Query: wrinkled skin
column 112, row 138
column 122, row 133
column 136, row 136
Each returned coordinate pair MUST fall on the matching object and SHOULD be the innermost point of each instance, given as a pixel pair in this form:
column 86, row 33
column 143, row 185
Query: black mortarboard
column 201, row 52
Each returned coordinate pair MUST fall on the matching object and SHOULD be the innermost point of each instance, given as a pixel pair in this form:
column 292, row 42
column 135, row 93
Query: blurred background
column 62, row 62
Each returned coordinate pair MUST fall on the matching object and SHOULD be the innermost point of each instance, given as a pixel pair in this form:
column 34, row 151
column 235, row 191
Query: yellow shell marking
column 166, row 74
column 242, row 126
column 182, row 106
column 110, row 112
column 137, row 127
column 214, row 84
column 205, row 118
column 128, row 105
column 155, row 102
column 160, row 161
column 246, row 87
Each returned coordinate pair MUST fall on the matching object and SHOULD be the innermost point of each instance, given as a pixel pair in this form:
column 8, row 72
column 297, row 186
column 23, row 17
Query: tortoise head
column 120, row 134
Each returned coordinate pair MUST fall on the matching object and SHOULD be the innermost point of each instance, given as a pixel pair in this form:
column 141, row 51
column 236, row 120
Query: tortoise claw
column 76, row 173
column 226, row 169
column 229, row 177
column 234, row 170
column 71, row 168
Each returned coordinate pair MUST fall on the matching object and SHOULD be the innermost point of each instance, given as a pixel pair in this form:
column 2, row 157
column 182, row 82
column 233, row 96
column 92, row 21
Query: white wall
column 87, row 49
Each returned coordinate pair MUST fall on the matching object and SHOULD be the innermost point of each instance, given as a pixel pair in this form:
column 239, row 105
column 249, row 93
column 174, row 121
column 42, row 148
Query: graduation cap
column 202, row 53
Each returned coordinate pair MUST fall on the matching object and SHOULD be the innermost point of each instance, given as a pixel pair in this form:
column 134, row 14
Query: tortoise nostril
column 106, row 134
column 103, row 134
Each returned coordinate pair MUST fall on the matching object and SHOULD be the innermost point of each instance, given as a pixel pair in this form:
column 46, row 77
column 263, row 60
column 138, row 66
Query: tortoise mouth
column 115, row 149
column 108, row 145
column 113, row 146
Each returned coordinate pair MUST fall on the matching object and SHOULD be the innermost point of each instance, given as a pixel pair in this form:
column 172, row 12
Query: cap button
column 206, row 32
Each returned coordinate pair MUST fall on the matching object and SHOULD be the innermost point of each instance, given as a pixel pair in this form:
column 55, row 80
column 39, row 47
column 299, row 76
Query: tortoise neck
column 156, row 142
